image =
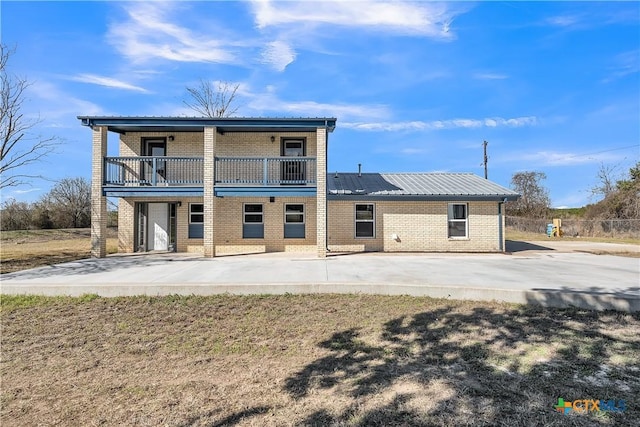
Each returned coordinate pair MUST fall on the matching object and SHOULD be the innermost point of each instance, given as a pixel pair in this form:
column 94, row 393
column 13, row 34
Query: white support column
column 98, row 200
column 321, row 195
column 209, row 196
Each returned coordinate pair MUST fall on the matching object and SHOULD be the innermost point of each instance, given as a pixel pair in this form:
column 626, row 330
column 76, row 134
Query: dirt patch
column 24, row 249
column 354, row 360
column 574, row 245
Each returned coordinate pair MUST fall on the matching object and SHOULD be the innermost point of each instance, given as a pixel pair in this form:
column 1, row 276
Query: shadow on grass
column 481, row 366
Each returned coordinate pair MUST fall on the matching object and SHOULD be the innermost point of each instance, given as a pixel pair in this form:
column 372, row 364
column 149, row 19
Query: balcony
column 142, row 175
column 153, row 171
column 265, row 171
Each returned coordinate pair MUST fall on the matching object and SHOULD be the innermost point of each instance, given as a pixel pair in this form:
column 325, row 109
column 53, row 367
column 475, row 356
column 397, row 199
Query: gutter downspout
column 500, row 227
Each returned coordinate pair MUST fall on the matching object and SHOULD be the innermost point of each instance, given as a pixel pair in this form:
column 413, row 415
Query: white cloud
column 278, row 55
column 268, row 102
column 150, row 33
column 108, row 82
column 624, row 64
column 59, row 107
column 558, row 158
column 26, row 191
column 490, row 76
column 400, row 17
column 441, row 124
column 413, row 151
column 563, row 20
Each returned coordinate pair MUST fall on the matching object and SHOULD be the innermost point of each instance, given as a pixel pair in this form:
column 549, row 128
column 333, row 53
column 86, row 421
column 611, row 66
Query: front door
column 158, row 223
column 155, row 169
column 293, row 171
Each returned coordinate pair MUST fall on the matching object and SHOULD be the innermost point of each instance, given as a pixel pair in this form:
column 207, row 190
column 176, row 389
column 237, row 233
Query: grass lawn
column 24, row 249
column 352, row 360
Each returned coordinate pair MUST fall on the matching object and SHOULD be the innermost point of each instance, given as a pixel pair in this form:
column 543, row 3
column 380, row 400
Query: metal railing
column 153, row 171
column 176, row 171
column 265, row 170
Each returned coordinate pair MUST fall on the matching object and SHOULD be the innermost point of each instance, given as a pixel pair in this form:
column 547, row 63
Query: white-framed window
column 253, row 214
column 294, row 221
column 196, row 220
column 294, row 213
column 365, row 220
column 457, row 214
column 252, row 221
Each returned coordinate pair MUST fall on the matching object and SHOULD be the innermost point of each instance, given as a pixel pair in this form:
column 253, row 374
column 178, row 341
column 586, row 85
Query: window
column 196, row 220
column 252, row 214
column 365, row 221
column 457, row 216
column 293, row 171
column 252, row 222
column 294, row 221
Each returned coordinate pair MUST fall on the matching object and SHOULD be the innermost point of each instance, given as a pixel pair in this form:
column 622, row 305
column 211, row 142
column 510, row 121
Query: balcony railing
column 153, row 171
column 265, row 170
column 189, row 171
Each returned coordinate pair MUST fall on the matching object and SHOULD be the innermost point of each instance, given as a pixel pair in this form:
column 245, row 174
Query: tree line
column 620, row 197
column 67, row 205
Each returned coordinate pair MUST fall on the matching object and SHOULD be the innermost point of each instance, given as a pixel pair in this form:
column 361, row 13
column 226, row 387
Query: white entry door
column 158, row 215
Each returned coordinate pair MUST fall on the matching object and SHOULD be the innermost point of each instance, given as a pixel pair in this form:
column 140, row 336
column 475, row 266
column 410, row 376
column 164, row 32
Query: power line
column 603, row 151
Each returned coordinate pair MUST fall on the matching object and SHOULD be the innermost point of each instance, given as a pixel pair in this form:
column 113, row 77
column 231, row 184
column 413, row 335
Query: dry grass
column 512, row 234
column 20, row 250
column 355, row 360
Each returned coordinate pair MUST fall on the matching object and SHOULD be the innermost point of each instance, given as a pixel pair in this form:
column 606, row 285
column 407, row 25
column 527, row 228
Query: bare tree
column 213, row 99
column 69, row 203
column 606, row 180
column 534, row 199
column 15, row 215
column 19, row 147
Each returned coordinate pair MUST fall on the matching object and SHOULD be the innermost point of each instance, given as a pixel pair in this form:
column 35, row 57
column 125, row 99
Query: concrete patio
column 534, row 274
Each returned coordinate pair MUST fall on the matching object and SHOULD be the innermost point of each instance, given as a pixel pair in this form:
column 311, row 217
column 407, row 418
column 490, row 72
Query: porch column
column 98, row 200
column 321, row 194
column 209, row 197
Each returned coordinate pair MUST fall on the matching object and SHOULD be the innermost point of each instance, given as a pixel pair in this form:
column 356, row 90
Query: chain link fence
column 624, row 228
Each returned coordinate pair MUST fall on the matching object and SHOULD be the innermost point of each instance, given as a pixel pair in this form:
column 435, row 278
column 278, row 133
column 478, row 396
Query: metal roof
column 124, row 124
column 419, row 186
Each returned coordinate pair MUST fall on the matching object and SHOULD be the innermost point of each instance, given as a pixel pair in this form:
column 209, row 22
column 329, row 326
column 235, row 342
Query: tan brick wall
column 228, row 225
column 126, row 225
column 419, row 226
column 209, row 199
column 321, row 197
column 258, row 144
column 231, row 144
column 228, row 217
column 126, row 222
column 185, row 144
column 98, row 201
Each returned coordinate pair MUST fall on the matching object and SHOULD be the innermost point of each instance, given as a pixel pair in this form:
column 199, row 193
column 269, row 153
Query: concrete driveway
column 533, row 274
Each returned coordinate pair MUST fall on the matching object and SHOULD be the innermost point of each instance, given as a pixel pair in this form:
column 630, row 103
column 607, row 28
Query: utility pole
column 486, row 159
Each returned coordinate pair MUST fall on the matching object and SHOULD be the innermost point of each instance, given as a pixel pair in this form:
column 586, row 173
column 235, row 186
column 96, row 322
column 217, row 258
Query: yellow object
column 557, row 228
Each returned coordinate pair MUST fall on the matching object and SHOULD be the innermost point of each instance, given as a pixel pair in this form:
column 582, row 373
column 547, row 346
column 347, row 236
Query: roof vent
column 359, row 170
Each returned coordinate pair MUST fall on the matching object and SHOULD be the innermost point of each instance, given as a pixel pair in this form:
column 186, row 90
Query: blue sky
column 415, row 86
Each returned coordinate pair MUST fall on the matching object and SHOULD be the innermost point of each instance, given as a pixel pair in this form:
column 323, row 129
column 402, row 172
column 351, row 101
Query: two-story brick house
column 244, row 185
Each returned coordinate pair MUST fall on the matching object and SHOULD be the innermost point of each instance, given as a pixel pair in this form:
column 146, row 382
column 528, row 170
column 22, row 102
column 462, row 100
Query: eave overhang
column 123, row 125
column 119, row 191
column 425, row 198
column 265, row 191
